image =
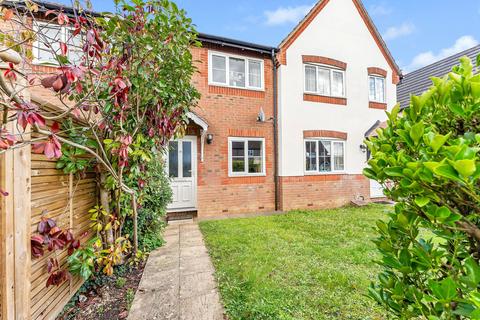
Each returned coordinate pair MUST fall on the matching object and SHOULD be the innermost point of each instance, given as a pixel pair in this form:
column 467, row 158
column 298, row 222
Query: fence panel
column 67, row 200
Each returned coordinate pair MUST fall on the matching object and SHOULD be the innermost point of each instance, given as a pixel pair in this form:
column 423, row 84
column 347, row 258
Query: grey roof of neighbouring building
column 417, row 82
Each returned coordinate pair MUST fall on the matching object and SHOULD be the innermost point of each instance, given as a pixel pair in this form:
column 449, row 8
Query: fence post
column 15, row 234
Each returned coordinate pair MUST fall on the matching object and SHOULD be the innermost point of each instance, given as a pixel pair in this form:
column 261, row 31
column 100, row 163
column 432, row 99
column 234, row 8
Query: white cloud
column 404, row 29
column 380, row 10
column 285, row 15
column 429, row 57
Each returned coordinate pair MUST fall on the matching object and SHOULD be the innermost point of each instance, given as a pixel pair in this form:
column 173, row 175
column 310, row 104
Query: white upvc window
column 246, row 156
column 54, row 34
column 235, row 71
column 324, row 156
column 323, row 80
column 377, row 88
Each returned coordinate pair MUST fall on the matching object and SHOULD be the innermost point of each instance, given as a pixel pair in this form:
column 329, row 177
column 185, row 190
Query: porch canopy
column 203, row 129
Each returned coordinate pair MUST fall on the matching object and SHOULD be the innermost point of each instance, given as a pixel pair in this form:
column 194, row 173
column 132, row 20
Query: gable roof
column 318, row 7
column 418, row 81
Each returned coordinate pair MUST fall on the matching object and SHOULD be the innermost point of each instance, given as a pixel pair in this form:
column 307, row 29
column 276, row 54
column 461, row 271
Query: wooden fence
column 37, row 189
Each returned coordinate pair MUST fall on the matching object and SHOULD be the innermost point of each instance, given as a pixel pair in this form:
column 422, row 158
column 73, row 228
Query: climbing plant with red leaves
column 129, row 94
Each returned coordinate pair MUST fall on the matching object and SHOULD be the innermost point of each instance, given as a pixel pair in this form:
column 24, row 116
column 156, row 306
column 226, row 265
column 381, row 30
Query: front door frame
column 192, row 139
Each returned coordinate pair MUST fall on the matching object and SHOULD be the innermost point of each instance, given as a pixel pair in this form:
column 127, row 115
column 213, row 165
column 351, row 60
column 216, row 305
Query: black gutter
column 44, row 6
column 243, row 45
column 275, row 130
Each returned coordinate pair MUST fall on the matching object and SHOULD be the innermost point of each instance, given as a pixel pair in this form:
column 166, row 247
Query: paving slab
column 178, row 282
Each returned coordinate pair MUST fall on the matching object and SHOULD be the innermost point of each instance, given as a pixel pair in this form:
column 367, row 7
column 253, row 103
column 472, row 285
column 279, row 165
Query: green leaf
column 472, row 273
column 447, row 171
column 394, row 171
column 416, row 132
column 438, row 141
column 465, row 167
column 422, row 201
column 445, row 290
column 475, row 89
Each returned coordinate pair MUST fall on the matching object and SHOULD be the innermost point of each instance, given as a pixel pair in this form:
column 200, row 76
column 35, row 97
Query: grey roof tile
column 418, row 81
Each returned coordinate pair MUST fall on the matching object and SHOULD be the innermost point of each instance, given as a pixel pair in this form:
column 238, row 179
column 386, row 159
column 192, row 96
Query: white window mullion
column 245, row 155
column 180, row 159
column 318, row 156
column 227, row 70
column 332, row 157
column 247, row 73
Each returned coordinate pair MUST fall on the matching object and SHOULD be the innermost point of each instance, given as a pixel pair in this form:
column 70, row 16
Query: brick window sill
column 224, row 90
column 377, row 105
column 324, row 99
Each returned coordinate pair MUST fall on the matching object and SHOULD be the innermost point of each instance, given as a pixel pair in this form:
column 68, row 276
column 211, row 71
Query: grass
column 302, row 265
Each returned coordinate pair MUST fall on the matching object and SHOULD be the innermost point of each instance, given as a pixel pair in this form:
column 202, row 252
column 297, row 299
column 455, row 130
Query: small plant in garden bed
column 103, row 297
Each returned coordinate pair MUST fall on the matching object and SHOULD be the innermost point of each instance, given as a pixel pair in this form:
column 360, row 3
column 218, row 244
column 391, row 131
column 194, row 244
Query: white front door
column 376, row 190
column 182, row 169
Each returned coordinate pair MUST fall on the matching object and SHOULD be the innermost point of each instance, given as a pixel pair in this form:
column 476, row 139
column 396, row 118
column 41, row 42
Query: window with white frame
column 53, row 35
column 324, row 81
column 377, row 88
column 324, row 156
column 246, row 156
column 235, row 71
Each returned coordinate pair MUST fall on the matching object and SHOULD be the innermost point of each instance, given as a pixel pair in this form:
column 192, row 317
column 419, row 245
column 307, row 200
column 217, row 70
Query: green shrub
column 156, row 196
column 427, row 158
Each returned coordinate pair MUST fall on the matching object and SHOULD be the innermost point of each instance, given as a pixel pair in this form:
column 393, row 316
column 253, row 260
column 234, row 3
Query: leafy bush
column 430, row 245
column 156, row 196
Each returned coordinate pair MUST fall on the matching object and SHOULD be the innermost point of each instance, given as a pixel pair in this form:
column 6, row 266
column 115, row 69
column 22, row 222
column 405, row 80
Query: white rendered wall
column 338, row 32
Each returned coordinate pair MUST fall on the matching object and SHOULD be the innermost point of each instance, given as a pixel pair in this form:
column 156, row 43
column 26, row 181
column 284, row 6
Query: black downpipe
column 275, row 131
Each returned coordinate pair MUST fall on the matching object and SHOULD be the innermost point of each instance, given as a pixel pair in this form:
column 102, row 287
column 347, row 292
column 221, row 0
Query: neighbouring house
column 283, row 128
column 280, row 128
column 418, row 81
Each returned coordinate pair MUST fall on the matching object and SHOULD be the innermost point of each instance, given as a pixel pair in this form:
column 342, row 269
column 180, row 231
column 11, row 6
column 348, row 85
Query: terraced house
column 279, row 128
column 283, row 128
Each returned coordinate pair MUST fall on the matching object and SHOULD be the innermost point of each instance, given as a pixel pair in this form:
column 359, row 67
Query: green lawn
column 302, row 265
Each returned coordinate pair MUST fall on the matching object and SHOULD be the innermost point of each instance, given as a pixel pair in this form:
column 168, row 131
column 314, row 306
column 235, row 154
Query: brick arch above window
column 324, row 60
column 325, row 134
column 377, row 71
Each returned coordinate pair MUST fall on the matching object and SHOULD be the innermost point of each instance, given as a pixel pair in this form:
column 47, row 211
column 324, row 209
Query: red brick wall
column 322, row 191
column 233, row 113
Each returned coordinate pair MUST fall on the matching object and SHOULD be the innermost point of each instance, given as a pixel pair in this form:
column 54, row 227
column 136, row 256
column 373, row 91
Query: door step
column 181, row 216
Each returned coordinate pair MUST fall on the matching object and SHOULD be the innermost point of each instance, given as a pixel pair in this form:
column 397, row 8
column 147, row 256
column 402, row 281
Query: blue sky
column 418, row 32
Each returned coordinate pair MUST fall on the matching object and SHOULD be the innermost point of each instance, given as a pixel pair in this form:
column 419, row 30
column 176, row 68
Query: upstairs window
column 324, row 156
column 377, row 89
column 324, row 81
column 54, row 34
column 235, row 71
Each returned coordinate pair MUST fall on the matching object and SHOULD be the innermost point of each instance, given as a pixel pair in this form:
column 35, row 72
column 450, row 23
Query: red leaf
column 49, row 12
column 7, row 14
column 55, row 127
column 62, row 19
column 48, row 81
column 64, row 48
column 36, row 118
column 37, row 242
column 3, row 193
column 57, row 84
column 38, row 147
column 78, row 87
column 49, row 150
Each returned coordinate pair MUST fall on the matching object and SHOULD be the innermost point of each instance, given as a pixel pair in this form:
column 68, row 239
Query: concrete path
column 178, row 281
